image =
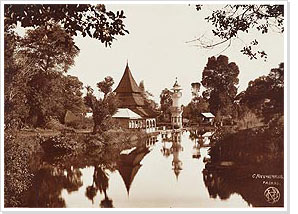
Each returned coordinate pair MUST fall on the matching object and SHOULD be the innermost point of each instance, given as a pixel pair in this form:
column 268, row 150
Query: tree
column 265, row 95
column 148, row 97
column 232, row 20
column 15, row 106
column 46, row 49
column 36, row 88
column 220, row 79
column 72, row 94
column 165, row 104
column 195, row 89
column 34, row 63
column 92, row 20
column 46, row 53
column 102, row 108
column 194, row 109
column 106, row 86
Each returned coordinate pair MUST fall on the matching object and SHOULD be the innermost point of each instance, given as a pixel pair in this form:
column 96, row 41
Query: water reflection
column 224, row 183
column 129, row 164
column 48, row 184
column 147, row 176
column 100, row 183
column 172, row 146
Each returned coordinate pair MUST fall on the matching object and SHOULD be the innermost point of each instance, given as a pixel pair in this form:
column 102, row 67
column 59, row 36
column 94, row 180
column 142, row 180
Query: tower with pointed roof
column 130, row 96
column 176, row 149
column 176, row 110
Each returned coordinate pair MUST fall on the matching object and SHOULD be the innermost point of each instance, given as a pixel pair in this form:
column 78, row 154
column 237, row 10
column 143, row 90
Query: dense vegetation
column 38, row 93
column 37, row 88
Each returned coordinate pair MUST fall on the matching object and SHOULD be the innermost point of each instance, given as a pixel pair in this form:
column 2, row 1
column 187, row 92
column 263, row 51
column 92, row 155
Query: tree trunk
column 96, row 128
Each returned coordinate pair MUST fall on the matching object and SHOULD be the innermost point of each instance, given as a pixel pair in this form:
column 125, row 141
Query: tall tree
column 165, row 104
column 220, row 79
column 265, row 95
column 232, row 21
column 148, row 97
column 45, row 54
column 102, row 108
column 41, row 58
column 16, row 109
column 48, row 47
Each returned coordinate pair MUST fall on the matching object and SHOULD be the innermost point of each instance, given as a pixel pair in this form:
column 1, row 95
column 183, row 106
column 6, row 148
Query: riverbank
column 261, row 145
column 26, row 150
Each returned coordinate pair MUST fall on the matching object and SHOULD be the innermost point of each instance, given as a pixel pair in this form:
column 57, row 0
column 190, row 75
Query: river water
column 168, row 171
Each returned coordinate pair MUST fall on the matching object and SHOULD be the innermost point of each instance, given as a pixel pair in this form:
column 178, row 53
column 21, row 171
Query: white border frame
column 286, row 142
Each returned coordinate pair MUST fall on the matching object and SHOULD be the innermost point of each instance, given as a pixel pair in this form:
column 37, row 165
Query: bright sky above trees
column 157, row 51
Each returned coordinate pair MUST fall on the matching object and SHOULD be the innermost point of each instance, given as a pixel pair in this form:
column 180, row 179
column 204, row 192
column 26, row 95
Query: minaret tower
column 176, row 110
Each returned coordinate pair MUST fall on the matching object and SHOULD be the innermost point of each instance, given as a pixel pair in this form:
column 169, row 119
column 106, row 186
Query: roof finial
column 126, row 62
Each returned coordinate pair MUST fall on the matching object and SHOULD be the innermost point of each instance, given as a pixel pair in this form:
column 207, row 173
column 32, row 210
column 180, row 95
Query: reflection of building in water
column 201, row 137
column 175, row 149
column 196, row 151
column 130, row 97
column 129, row 165
column 166, row 149
column 176, row 109
column 151, row 141
column 172, row 146
column 166, row 137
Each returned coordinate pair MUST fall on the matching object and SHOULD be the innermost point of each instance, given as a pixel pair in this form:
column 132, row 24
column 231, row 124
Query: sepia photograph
column 155, row 104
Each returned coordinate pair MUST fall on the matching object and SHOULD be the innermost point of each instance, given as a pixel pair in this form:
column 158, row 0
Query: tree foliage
column 195, row 89
column 220, row 78
column 148, row 97
column 265, row 95
column 92, row 20
column 102, row 108
column 106, row 86
column 46, row 49
column 194, row 109
column 233, row 20
column 36, row 88
column 165, row 104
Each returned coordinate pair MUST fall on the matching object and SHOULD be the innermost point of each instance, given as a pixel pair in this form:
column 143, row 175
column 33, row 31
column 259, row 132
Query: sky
column 157, row 50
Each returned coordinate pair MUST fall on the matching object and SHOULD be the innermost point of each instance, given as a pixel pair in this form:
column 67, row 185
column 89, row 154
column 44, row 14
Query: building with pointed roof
column 130, row 96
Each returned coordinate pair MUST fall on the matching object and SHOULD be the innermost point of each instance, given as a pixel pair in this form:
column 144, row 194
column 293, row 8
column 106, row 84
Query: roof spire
column 127, row 83
column 126, row 62
column 176, row 85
